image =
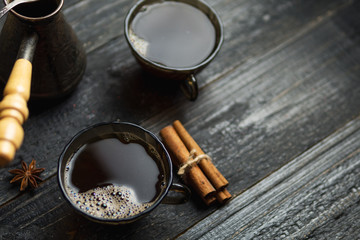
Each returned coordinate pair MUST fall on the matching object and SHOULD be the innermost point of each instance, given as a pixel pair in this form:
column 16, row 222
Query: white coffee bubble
column 109, row 202
column 139, row 44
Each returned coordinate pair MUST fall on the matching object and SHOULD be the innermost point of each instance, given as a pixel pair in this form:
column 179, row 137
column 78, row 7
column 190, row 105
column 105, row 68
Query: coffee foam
column 109, row 202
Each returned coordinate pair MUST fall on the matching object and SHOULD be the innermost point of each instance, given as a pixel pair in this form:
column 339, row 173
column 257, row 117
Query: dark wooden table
column 278, row 111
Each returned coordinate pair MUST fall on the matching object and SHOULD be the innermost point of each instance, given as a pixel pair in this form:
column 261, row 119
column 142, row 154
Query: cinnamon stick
column 194, row 176
column 223, row 196
column 209, row 169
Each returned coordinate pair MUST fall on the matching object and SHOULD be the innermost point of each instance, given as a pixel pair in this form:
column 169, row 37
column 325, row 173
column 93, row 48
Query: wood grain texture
column 286, row 78
column 113, row 79
column 299, row 199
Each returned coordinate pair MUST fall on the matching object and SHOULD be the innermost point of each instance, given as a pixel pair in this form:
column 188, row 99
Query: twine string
column 191, row 161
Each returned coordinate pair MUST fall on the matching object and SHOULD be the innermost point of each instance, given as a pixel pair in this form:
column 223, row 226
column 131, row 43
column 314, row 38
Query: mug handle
column 190, row 87
column 183, row 195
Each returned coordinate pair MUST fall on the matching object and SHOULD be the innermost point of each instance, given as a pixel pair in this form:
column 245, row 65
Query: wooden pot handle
column 14, row 110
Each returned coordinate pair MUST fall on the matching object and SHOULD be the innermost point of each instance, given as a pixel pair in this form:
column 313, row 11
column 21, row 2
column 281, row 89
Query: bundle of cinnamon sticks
column 195, row 167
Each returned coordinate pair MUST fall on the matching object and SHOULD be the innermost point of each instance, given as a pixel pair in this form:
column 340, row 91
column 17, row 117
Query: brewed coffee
column 114, row 177
column 173, row 34
column 40, row 8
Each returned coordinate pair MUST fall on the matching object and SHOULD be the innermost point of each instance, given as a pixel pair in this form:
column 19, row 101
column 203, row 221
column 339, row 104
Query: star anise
column 27, row 175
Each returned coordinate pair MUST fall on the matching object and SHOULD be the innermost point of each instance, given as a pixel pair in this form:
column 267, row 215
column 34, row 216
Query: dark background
column 278, row 111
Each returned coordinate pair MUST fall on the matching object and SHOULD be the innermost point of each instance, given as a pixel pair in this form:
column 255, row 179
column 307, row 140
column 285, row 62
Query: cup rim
column 121, row 220
column 60, row 5
column 203, row 63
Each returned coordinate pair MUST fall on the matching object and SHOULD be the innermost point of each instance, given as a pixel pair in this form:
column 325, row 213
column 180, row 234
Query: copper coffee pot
column 35, row 36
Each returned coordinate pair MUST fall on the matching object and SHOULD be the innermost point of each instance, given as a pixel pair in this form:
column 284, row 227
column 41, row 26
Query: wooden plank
column 318, row 187
column 276, row 106
column 265, row 26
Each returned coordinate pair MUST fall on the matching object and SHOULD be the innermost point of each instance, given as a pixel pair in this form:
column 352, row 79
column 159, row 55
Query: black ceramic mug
column 196, row 17
column 125, row 131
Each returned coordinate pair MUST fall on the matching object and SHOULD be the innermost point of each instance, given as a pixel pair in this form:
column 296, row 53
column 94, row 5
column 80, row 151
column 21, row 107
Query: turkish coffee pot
column 49, row 63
